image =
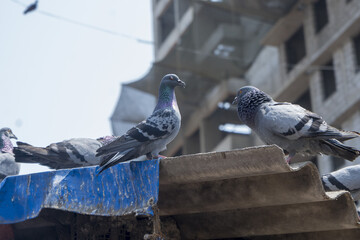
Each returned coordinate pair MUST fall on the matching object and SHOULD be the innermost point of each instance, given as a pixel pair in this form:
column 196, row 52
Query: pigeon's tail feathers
column 355, row 134
column 332, row 132
column 36, row 151
column 347, row 135
column 336, row 148
column 22, row 144
column 27, row 153
column 117, row 158
column 117, row 146
column 23, row 156
column 106, row 158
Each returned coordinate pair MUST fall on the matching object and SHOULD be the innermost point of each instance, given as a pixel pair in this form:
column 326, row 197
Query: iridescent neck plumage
column 166, row 98
column 6, row 145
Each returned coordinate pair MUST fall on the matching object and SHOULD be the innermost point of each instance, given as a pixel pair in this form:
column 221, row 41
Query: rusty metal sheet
column 127, row 188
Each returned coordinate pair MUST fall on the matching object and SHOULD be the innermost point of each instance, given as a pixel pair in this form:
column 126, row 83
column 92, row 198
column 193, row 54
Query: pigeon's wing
column 291, row 121
column 159, row 125
column 347, row 178
column 77, row 151
column 71, row 153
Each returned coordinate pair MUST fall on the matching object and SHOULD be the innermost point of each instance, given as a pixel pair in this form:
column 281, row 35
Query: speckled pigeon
column 291, row 127
column 347, row 178
column 151, row 135
column 76, row 152
column 8, row 166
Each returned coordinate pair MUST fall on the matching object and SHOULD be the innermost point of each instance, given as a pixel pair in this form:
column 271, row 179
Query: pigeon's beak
column 181, row 83
column 236, row 100
column 13, row 136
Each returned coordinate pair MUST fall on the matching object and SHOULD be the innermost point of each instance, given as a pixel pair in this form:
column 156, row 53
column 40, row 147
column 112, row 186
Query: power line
column 144, row 41
column 45, row 13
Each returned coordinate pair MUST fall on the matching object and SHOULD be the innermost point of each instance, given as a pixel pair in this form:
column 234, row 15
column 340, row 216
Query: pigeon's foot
column 159, row 157
column 150, row 157
column 289, row 157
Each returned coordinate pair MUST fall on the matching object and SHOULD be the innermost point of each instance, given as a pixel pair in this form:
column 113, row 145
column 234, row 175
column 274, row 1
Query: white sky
column 60, row 80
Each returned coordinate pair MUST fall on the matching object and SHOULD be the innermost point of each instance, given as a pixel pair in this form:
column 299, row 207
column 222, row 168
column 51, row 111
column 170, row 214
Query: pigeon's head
column 251, row 93
column 172, row 80
column 7, row 133
column 248, row 100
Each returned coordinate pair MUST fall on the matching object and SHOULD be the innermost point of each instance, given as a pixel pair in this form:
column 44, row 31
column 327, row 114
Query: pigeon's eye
column 171, row 78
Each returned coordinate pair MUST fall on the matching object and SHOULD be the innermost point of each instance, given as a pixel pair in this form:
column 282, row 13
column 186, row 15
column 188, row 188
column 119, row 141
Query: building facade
column 301, row 51
column 317, row 47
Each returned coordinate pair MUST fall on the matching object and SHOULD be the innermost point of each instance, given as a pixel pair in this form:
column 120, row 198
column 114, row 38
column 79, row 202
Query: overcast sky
column 60, row 80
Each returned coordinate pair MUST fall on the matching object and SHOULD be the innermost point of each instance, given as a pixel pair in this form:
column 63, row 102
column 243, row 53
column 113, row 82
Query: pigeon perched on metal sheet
column 8, row 166
column 76, row 152
column 291, row 127
column 151, row 135
column 347, row 178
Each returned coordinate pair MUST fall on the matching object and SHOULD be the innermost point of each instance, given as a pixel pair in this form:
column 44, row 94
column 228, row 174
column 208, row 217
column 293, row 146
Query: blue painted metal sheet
column 127, row 188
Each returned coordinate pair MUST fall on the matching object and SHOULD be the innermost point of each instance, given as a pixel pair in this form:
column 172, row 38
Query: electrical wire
column 143, row 41
column 45, row 13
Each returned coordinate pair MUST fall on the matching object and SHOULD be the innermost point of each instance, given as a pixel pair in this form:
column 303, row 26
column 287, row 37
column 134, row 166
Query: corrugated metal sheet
column 252, row 193
column 247, row 194
column 128, row 188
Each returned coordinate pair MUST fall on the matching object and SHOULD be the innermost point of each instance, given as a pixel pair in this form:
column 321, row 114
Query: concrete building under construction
column 301, row 51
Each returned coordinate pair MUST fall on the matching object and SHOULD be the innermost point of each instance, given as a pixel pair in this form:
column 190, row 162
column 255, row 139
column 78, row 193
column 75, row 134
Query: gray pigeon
column 7, row 159
column 347, row 178
column 76, row 152
column 151, row 135
column 291, row 127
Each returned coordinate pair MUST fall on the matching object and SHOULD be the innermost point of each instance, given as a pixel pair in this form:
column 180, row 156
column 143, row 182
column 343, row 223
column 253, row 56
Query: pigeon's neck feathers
column 6, row 145
column 249, row 105
column 167, row 98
